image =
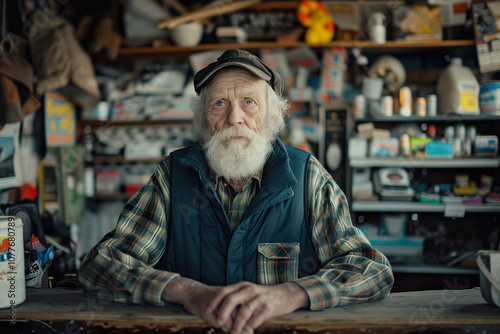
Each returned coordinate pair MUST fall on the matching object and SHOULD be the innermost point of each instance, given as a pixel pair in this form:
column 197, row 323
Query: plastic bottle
column 458, row 90
column 377, row 30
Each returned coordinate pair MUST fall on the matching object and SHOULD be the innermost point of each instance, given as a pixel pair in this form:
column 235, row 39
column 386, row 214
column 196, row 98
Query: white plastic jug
column 12, row 280
column 458, row 90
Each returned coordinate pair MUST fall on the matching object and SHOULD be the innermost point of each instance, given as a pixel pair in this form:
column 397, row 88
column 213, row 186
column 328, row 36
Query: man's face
column 241, row 138
column 236, row 98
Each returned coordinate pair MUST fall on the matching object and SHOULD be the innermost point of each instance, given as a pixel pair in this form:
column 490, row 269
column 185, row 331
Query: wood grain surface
column 447, row 311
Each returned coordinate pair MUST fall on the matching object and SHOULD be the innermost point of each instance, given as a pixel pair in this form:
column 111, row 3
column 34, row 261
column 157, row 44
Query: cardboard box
column 418, row 23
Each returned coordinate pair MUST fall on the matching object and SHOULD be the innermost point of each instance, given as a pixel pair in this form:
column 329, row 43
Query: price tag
column 454, row 210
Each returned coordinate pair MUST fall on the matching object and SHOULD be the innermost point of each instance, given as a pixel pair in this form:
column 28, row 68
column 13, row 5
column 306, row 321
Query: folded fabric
column 61, row 64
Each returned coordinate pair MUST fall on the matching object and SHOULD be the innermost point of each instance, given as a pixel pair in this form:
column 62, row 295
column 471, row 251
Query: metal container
column 431, row 101
column 405, row 101
column 387, row 105
column 489, row 98
column 359, row 106
column 420, row 108
column 404, row 145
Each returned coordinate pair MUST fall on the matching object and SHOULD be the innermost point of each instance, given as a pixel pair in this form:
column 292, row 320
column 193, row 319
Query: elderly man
column 238, row 228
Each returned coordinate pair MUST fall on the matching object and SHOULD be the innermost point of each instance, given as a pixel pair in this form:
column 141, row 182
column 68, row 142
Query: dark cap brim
column 250, row 68
column 244, row 60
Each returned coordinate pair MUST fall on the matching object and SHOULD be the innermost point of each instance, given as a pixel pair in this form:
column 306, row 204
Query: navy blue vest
column 274, row 229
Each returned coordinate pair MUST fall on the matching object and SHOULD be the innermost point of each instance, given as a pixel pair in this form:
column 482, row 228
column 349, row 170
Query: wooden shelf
column 406, row 206
column 432, row 269
column 96, row 160
column 396, row 46
column 107, row 123
column 110, row 197
column 439, row 118
column 402, row 162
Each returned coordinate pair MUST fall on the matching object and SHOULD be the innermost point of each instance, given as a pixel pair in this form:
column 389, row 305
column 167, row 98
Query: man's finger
column 245, row 312
column 219, row 296
column 232, row 301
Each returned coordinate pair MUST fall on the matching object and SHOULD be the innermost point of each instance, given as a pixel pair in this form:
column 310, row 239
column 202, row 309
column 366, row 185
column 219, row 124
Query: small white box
column 360, row 175
column 358, row 147
column 486, row 145
column 143, row 150
column 362, row 190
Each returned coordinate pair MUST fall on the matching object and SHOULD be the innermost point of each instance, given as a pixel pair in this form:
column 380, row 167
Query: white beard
column 236, row 159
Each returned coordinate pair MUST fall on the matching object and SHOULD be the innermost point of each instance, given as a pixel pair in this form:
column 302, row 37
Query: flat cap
column 245, row 60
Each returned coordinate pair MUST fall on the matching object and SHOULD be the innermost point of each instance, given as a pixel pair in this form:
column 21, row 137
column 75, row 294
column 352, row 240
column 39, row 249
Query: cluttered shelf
column 413, row 162
column 110, row 123
column 436, row 269
column 96, row 160
column 408, row 206
column 436, row 118
column 161, row 51
column 110, row 197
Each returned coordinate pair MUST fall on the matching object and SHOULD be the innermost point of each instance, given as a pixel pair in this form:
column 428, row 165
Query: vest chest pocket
column 277, row 262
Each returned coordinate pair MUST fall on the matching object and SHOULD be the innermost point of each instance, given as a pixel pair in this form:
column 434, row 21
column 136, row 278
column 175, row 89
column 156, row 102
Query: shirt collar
column 215, row 179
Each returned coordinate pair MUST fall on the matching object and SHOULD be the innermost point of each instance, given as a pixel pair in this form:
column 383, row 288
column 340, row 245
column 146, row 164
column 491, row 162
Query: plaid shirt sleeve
column 352, row 270
column 120, row 266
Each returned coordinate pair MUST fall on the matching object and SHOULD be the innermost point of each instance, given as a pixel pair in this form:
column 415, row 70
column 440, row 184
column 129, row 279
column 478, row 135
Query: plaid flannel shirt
column 121, row 265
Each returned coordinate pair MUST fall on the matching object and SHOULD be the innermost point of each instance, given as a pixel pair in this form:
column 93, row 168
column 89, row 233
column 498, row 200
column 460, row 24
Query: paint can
column 489, row 98
column 420, row 108
column 387, row 105
column 359, row 106
column 431, row 105
column 405, row 101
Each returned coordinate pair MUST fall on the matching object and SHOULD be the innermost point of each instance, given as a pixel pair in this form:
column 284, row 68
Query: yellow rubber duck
column 315, row 16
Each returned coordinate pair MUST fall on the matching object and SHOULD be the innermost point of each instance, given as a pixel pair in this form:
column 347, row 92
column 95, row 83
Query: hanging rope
column 4, row 23
column 4, row 42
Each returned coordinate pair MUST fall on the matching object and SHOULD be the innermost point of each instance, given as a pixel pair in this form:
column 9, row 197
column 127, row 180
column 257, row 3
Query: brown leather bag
column 16, row 89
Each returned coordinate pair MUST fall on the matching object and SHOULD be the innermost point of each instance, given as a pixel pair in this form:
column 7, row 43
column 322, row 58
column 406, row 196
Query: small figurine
column 315, row 16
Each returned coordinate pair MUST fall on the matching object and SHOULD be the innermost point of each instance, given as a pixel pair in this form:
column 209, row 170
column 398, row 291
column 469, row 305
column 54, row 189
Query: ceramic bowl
column 187, row 34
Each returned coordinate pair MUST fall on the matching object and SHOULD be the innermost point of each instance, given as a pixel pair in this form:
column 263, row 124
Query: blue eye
column 219, row 103
column 249, row 102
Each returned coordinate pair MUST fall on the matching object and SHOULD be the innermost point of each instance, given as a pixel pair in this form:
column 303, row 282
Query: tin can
column 359, row 106
column 404, row 145
column 420, row 108
column 387, row 105
column 489, row 98
column 405, row 101
column 431, row 105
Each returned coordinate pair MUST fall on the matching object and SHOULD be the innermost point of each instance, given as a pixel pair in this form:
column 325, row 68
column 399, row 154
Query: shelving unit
column 389, row 46
column 110, row 197
column 97, row 160
column 104, row 123
column 406, row 206
column 438, row 118
column 432, row 269
column 411, row 162
column 448, row 213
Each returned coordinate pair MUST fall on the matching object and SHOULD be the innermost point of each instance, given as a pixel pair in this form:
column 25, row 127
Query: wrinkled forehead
column 231, row 76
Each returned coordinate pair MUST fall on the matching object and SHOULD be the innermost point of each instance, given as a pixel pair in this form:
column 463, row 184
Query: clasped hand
column 244, row 306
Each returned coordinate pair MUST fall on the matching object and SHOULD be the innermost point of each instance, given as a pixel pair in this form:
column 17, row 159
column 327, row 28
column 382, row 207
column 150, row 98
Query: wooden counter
column 69, row 311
